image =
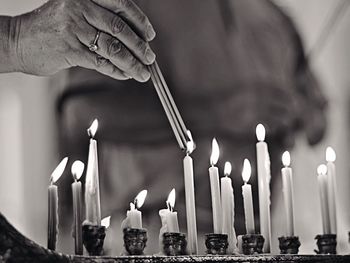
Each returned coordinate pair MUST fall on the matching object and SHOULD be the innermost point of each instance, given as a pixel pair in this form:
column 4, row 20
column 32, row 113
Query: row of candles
column 222, row 196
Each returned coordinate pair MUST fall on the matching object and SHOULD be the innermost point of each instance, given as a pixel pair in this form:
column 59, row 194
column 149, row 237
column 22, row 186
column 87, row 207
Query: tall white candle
column 322, row 184
column 287, row 182
column 264, row 177
column 52, row 226
column 92, row 187
column 77, row 171
column 248, row 198
column 227, row 202
column 134, row 216
column 192, row 243
column 332, row 185
column 215, row 188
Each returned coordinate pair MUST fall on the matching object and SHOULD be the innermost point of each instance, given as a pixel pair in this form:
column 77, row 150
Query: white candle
column 215, row 188
column 77, row 171
column 227, row 202
column 331, row 184
column 287, row 182
column 192, row 243
column 52, row 227
column 322, row 184
column 92, row 187
column 134, row 216
column 169, row 217
column 264, row 177
column 248, row 198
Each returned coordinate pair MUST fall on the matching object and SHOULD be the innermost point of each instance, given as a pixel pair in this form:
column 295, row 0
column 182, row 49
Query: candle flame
column 106, row 222
column 132, row 206
column 93, row 128
column 77, row 169
column 330, row 154
column 322, row 169
column 260, row 132
column 190, row 144
column 246, row 171
column 140, row 198
column 227, row 168
column 171, row 199
column 215, row 152
column 286, row 158
column 56, row 174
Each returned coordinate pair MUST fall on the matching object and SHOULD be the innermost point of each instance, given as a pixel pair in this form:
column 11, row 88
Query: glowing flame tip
column 140, row 198
column 215, row 152
column 171, row 198
column 190, row 144
column 56, row 174
column 246, row 171
column 227, row 168
column 260, row 132
column 330, row 154
column 106, row 222
column 77, row 169
column 322, row 169
column 93, row 128
column 286, row 158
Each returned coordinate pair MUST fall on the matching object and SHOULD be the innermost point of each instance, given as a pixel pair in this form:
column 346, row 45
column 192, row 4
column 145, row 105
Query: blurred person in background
column 230, row 65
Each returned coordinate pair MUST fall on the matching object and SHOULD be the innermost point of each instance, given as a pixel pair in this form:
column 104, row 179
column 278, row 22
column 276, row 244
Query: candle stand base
column 327, row 244
column 252, row 244
column 216, row 243
column 93, row 238
column 135, row 240
column 174, row 244
column 289, row 245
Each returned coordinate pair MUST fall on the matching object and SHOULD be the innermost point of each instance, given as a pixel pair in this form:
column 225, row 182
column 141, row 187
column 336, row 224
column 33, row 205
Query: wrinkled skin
column 56, row 36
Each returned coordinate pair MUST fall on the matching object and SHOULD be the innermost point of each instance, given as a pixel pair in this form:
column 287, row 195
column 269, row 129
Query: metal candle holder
column 174, row 244
column 289, row 245
column 327, row 244
column 135, row 240
column 252, row 244
column 93, row 239
column 216, row 243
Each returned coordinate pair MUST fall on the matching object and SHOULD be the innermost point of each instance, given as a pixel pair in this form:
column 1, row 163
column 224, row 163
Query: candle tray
column 14, row 247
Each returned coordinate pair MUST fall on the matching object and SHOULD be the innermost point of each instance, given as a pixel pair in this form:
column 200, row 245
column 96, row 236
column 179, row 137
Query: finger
column 114, row 25
column 132, row 14
column 90, row 60
column 111, row 48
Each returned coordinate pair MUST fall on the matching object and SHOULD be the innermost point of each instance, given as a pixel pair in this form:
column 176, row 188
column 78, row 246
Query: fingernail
column 150, row 56
column 151, row 34
column 145, row 75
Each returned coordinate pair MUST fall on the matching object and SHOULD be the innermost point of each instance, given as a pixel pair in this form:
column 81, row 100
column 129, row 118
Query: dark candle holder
column 135, row 240
column 252, row 244
column 289, row 245
column 174, row 244
column 216, row 243
column 327, row 244
column 93, row 239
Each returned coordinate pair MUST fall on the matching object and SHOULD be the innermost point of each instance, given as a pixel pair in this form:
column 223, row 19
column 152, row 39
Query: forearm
column 8, row 44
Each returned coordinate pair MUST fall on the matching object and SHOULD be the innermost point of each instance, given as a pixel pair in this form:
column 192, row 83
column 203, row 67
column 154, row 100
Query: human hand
column 57, row 35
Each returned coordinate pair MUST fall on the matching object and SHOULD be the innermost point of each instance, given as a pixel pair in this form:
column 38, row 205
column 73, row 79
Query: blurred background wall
column 28, row 137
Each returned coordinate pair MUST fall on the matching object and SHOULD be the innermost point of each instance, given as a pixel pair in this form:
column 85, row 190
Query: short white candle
column 52, row 228
column 322, row 184
column 134, row 216
column 215, row 188
column 264, row 178
column 332, row 188
column 192, row 243
column 248, row 198
column 287, row 182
